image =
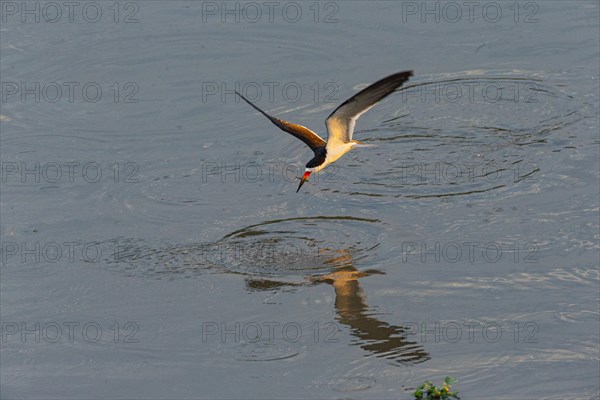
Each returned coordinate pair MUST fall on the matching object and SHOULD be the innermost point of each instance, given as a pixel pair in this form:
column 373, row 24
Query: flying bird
column 340, row 124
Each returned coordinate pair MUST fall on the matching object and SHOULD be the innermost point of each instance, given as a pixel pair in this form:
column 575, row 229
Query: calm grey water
column 153, row 245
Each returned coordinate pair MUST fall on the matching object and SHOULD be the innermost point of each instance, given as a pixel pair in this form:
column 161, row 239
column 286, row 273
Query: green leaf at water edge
column 450, row 380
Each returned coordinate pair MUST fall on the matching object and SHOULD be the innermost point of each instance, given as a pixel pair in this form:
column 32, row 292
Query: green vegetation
column 428, row 391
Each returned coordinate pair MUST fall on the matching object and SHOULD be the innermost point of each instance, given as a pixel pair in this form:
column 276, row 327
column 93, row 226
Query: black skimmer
column 340, row 124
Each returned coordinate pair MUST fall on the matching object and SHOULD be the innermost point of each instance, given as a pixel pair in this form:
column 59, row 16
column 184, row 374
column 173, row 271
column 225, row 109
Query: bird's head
column 305, row 176
column 316, row 164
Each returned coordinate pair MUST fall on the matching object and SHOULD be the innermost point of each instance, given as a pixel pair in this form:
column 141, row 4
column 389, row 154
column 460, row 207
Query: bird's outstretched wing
column 310, row 138
column 340, row 124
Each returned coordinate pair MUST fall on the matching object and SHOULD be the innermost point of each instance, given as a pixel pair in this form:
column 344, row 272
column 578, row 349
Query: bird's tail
column 361, row 144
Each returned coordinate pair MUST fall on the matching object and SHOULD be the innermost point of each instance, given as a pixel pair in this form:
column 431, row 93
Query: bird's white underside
column 334, row 151
column 340, row 128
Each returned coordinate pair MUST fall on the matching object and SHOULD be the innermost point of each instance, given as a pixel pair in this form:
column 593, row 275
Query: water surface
column 154, row 234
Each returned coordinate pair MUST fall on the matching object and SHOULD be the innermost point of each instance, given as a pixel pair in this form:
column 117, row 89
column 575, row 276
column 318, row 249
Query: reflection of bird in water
column 374, row 336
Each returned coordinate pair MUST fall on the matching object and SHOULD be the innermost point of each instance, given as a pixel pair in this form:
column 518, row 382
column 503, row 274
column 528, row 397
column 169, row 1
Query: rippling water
column 153, row 245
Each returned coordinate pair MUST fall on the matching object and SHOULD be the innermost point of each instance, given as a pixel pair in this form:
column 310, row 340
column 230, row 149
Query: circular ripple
column 299, row 246
column 352, row 384
column 287, row 248
column 262, row 350
column 462, row 134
